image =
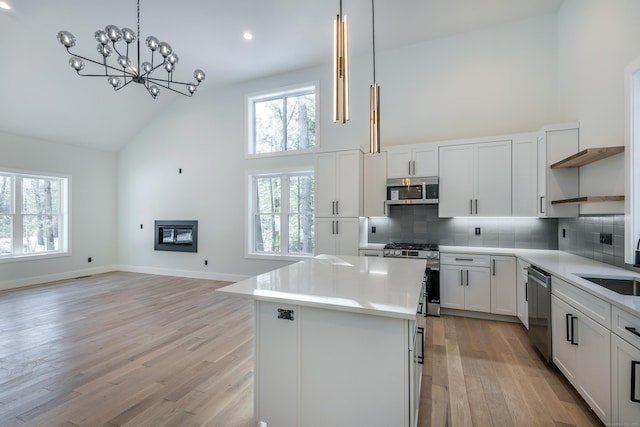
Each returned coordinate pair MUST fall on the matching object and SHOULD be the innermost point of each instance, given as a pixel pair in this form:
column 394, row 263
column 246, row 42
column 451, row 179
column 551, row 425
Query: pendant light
column 374, row 96
column 341, row 104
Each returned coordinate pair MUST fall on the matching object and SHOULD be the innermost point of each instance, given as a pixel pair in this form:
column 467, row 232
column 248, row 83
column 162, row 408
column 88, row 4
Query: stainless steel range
column 429, row 252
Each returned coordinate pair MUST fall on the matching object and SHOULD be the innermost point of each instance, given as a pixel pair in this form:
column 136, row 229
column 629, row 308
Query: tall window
column 282, row 121
column 282, row 214
column 33, row 216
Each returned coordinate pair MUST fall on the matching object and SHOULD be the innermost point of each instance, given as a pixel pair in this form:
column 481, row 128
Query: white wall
column 93, row 214
column 487, row 82
column 596, row 40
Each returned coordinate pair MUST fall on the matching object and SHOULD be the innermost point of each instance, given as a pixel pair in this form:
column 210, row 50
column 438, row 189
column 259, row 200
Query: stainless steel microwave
column 415, row 190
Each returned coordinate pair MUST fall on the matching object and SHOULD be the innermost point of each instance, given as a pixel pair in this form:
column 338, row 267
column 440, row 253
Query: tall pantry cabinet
column 338, row 202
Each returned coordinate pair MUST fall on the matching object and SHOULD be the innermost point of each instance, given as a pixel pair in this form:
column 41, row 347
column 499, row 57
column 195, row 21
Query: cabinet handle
column 634, row 398
column 467, row 277
column 337, row 231
column 526, row 291
column 632, row 330
column 337, row 208
column 541, row 210
column 573, row 332
column 333, row 227
column 421, row 357
column 567, row 321
column 420, row 307
column 333, row 208
column 476, row 206
column 464, row 259
column 471, row 207
column 494, row 267
column 461, row 278
column 413, row 163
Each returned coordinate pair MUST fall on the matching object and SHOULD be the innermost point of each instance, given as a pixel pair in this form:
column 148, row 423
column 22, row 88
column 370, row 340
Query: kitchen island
column 339, row 341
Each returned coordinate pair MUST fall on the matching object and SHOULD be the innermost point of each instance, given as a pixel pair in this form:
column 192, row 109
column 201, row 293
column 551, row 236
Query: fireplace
column 179, row 236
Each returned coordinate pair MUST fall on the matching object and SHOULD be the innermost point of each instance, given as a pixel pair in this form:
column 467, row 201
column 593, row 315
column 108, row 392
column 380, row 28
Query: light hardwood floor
column 125, row 349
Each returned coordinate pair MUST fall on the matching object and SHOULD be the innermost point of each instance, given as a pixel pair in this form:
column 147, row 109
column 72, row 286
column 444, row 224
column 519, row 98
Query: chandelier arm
column 157, row 80
column 120, row 87
column 101, row 64
column 177, row 91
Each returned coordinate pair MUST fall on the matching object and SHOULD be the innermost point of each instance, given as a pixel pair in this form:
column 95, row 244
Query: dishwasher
column 539, row 293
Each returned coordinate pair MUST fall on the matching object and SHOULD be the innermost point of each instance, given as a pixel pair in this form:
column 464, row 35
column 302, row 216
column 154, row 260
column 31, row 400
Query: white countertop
column 566, row 266
column 372, row 285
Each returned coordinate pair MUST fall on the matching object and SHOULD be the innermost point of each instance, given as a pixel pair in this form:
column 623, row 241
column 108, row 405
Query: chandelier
column 119, row 72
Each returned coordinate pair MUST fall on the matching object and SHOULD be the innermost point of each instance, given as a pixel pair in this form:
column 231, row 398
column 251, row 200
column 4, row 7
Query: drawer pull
column 464, row 259
column 634, row 398
column 632, row 330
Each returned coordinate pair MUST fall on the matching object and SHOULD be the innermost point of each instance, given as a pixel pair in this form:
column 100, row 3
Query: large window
column 282, row 214
column 33, row 214
column 282, row 121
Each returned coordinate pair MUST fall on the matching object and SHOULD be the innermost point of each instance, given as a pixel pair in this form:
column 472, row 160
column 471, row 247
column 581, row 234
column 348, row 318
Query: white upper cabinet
column 525, row 176
column 475, row 179
column 339, row 184
column 420, row 160
column 554, row 144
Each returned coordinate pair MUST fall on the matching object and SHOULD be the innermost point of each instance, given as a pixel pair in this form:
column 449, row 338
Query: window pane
column 268, row 194
column 6, row 185
column 269, row 130
column 301, row 194
column 267, row 233
column 5, row 235
column 40, row 233
column 301, row 234
column 301, row 125
column 40, row 196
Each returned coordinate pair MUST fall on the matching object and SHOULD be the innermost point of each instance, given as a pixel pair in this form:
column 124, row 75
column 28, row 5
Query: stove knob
column 398, row 252
column 385, row 252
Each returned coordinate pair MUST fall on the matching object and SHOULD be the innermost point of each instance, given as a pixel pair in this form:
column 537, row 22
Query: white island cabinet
column 339, row 341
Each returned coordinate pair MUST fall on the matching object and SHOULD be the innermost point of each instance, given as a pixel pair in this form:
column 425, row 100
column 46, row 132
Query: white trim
column 39, row 280
column 182, row 273
column 632, row 158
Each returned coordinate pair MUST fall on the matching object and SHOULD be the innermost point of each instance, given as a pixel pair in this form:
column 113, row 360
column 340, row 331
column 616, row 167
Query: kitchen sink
column 621, row 285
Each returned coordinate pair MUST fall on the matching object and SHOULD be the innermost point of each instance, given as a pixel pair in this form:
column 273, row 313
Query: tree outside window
column 283, row 214
column 284, row 121
column 32, row 218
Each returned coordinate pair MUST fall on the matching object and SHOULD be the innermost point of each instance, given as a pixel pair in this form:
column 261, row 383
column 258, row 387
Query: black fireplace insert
column 179, row 236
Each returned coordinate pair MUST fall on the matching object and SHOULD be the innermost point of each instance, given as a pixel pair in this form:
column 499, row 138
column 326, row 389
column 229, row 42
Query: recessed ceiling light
column 4, row 5
column 247, row 35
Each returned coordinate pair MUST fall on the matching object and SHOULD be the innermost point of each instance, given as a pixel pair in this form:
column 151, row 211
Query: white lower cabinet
column 625, row 368
column 337, row 236
column 318, row 367
column 522, row 292
column 503, row 285
column 581, row 350
column 465, row 282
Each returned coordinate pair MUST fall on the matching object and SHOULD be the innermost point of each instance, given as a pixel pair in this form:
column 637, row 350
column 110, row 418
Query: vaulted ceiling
column 41, row 96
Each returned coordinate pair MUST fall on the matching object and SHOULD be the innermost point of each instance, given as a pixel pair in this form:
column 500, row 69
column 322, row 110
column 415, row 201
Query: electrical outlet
column 477, row 231
column 606, row 238
column 206, row 262
column 373, row 230
column 89, row 259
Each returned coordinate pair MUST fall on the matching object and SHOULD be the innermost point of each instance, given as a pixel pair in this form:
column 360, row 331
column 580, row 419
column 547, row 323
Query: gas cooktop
column 412, row 250
column 412, row 246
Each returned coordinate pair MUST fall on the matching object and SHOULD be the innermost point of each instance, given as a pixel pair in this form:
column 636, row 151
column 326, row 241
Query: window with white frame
column 33, row 214
column 282, row 121
column 282, row 206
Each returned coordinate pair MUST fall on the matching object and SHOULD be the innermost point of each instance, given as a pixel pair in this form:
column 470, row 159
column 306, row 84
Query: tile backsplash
column 421, row 224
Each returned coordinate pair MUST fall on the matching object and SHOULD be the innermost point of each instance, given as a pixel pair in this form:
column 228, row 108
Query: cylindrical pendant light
column 374, row 97
column 341, row 103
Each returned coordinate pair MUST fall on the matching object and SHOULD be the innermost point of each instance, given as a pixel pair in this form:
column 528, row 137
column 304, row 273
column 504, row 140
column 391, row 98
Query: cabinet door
column 542, row 201
column 625, row 396
column 277, row 369
column 594, row 361
column 522, row 293
column 375, row 184
column 398, row 163
column 493, row 179
column 503, row 285
column 426, row 161
column 564, row 352
column 348, row 183
column 478, row 289
column 525, row 177
column 325, row 236
column 456, row 181
column 347, row 235
column 452, row 286
column 325, row 182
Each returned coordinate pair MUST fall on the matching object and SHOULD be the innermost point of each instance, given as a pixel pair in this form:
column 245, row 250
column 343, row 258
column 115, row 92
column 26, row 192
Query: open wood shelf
column 588, row 199
column 587, row 156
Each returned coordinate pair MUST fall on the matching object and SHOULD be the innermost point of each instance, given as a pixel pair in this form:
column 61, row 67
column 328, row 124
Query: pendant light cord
column 373, row 38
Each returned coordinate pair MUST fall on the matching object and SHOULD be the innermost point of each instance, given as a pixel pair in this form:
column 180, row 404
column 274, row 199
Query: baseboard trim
column 182, row 273
column 479, row 315
column 39, row 280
